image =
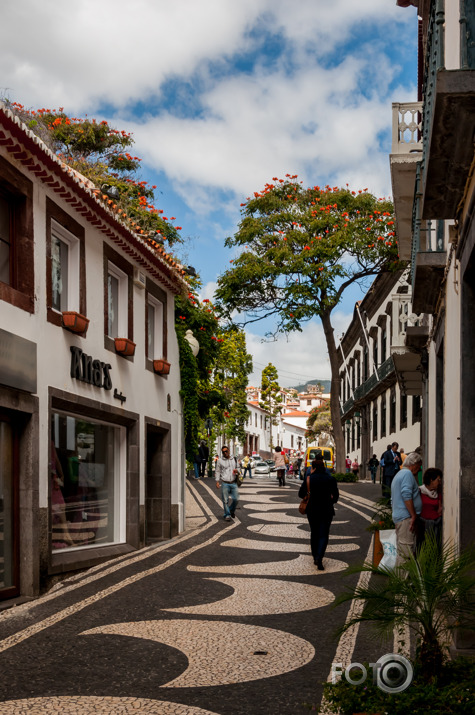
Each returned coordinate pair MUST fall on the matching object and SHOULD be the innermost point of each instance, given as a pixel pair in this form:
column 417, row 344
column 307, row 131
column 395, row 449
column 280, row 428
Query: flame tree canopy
column 297, row 250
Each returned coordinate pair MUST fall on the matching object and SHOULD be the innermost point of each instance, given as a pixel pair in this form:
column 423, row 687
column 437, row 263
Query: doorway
column 158, row 516
column 9, row 531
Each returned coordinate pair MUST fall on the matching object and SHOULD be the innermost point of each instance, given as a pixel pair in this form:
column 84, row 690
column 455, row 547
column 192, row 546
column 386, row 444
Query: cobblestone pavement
column 226, row 618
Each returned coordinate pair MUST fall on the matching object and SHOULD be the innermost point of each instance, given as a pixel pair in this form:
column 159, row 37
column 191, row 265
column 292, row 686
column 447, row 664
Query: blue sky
column 221, row 96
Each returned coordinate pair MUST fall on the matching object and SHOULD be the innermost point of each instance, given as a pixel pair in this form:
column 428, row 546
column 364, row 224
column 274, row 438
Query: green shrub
column 452, row 693
column 345, row 477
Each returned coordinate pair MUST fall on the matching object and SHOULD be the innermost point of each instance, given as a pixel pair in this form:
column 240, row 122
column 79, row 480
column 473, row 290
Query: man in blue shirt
column 406, row 505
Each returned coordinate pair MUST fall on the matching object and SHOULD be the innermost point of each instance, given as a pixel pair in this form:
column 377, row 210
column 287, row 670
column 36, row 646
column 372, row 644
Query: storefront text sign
column 85, row 369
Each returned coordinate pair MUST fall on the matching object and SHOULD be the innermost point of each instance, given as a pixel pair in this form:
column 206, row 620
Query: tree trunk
column 338, row 432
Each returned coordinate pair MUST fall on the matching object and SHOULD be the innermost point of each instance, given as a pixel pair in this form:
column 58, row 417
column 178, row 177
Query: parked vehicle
column 327, row 453
column 262, row 468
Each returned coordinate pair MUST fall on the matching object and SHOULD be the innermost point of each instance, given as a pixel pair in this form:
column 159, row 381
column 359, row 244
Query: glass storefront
column 86, row 483
column 7, row 510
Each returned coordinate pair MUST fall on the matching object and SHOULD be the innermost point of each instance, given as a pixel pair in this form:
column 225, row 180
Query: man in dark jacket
column 204, row 456
column 320, row 512
column 391, row 461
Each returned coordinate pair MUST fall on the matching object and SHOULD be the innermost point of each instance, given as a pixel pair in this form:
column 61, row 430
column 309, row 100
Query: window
column 261, row 421
column 384, row 341
column 292, row 441
column 403, row 411
column 117, row 313
column 309, row 402
column 65, row 264
column 154, row 329
column 64, row 269
column 16, row 238
column 87, row 478
column 375, row 351
column 383, row 415
column 255, row 420
column 416, row 409
column 365, row 364
column 392, row 411
column 375, row 420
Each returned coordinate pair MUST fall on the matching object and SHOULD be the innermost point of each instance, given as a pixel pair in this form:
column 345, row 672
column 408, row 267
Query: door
column 9, row 561
column 158, row 515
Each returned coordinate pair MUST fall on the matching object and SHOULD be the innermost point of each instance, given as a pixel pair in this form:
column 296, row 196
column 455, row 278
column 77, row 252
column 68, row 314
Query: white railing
column 407, row 119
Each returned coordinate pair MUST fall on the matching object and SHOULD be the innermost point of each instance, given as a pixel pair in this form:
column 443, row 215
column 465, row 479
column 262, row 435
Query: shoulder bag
column 304, row 502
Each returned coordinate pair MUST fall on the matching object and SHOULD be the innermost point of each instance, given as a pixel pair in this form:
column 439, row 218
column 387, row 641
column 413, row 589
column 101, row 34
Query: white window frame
column 122, row 300
column 70, row 301
column 157, row 349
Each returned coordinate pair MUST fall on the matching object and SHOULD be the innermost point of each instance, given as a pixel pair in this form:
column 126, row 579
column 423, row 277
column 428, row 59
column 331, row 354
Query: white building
column 377, row 409
column 91, row 458
column 433, row 178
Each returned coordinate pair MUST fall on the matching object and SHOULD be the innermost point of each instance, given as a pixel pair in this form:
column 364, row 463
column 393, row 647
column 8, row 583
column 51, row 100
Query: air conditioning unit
column 139, row 278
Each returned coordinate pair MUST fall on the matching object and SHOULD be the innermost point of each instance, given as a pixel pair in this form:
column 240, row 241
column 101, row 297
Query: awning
column 409, row 370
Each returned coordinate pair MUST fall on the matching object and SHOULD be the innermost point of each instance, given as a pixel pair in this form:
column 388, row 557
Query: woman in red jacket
column 431, row 514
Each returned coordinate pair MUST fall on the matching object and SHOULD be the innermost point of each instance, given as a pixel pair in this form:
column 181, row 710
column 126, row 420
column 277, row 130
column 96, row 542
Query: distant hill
column 303, row 388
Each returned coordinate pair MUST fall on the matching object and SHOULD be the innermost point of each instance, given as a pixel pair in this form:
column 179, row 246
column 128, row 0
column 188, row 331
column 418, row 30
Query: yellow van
column 327, row 453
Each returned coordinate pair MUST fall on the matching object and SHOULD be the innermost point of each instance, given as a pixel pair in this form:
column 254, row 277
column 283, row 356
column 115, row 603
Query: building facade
column 91, row 457
column 377, row 408
column 434, row 193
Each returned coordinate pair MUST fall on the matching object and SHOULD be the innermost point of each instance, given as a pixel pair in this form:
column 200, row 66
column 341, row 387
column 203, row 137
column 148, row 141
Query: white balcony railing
column 407, row 119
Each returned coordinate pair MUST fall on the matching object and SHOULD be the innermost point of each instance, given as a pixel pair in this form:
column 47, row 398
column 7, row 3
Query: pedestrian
column 406, row 506
column 279, row 461
column 226, row 475
column 373, row 465
column 391, row 461
column 204, row 456
column 247, row 465
column 348, row 463
column 197, row 465
column 403, row 455
column 299, row 466
column 431, row 513
column 320, row 508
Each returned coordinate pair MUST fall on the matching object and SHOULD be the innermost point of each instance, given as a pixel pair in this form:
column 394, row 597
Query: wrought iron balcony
column 449, row 114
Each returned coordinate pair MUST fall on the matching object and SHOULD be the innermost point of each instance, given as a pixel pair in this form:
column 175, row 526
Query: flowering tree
column 99, row 153
column 319, row 424
column 298, row 250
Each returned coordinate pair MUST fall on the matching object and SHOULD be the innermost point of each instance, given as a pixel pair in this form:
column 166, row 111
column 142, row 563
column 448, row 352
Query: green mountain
column 324, row 383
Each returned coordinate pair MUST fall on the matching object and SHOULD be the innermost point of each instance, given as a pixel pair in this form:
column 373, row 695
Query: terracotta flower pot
column 378, row 551
column 75, row 322
column 124, row 346
column 162, row 367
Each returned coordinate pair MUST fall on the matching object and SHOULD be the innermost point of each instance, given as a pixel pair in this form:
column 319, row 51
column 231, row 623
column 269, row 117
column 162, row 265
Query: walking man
column 391, row 461
column 406, row 506
column 204, row 456
column 226, row 474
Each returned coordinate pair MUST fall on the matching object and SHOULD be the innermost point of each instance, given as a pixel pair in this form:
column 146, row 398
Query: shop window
column 87, row 478
column 65, row 264
column 16, row 238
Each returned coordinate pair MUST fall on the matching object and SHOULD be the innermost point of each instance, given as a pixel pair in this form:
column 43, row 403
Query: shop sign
column 85, row 369
column 17, row 362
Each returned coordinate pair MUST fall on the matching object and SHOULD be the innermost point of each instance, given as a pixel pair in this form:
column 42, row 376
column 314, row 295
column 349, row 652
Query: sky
column 221, row 96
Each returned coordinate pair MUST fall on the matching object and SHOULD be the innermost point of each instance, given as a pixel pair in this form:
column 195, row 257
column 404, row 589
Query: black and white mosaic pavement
column 226, row 618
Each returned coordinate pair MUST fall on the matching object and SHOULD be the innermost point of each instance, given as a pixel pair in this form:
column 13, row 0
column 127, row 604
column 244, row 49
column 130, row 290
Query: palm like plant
column 432, row 594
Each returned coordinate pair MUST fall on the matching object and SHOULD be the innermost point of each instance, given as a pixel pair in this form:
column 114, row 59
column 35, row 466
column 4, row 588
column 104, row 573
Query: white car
column 262, row 468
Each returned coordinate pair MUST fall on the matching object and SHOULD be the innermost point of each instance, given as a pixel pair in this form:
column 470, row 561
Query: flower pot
column 161, row 367
column 124, row 346
column 378, row 551
column 75, row 322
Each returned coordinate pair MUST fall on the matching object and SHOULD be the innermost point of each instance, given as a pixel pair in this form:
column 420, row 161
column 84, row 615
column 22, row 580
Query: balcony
column 428, row 259
column 449, row 116
column 406, row 151
column 409, row 369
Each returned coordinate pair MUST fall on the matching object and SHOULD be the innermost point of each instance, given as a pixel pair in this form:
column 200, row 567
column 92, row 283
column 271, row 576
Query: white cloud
column 298, row 357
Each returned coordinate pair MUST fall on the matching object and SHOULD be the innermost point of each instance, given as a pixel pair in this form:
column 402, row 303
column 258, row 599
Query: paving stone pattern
column 226, row 618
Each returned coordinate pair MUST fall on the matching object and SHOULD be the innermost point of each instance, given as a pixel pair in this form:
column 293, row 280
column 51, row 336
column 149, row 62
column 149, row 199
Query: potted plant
column 76, row 322
column 161, row 367
column 124, row 347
